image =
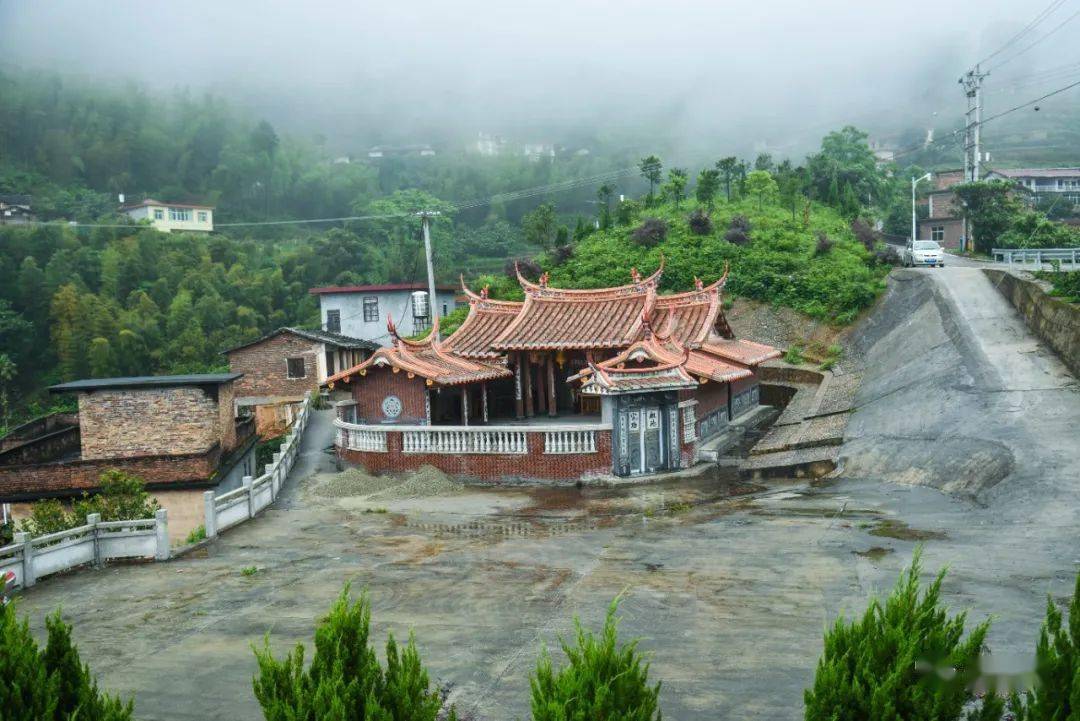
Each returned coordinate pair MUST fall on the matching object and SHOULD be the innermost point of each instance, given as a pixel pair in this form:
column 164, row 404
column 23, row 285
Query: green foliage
column 1032, row 229
column 905, row 658
column 602, row 679
column 652, row 170
column 1065, row 285
column 1056, row 695
column 50, row 684
column 345, row 681
column 675, row 188
column 991, row 210
column 708, row 185
column 265, row 450
column 762, row 186
column 651, row 232
column 794, row 355
column 123, row 497
column 776, row 264
column 844, row 173
column 196, row 534
column 248, row 571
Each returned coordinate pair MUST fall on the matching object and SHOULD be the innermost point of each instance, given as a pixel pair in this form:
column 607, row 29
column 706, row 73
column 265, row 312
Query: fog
column 695, row 76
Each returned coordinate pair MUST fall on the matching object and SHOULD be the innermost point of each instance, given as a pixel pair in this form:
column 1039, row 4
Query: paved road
column 729, row 598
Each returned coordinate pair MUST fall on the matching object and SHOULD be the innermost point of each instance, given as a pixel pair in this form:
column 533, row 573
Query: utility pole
column 433, row 304
column 972, row 83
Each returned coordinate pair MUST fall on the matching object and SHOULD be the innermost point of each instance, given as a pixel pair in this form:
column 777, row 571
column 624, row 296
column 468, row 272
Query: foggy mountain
column 688, row 77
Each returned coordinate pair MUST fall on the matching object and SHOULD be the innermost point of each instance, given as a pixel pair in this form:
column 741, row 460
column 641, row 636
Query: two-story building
column 361, row 311
column 944, row 221
column 16, row 209
column 1062, row 184
column 168, row 217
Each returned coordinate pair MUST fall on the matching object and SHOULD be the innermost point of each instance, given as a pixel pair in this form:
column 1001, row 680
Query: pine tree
column 603, row 680
column 1056, row 697
column 904, row 659
column 77, row 693
column 27, row 692
column 345, row 681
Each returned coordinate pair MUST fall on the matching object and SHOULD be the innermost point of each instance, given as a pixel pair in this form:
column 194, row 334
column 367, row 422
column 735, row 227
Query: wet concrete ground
column 728, row 588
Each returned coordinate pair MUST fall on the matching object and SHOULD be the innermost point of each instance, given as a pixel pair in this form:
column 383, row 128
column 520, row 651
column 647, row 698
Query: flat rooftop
column 192, row 379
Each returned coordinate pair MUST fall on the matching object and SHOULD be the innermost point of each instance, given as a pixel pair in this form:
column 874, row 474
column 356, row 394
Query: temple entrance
column 646, row 440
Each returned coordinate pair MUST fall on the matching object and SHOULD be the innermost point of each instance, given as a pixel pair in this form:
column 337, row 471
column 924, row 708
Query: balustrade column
column 465, row 405
column 552, row 410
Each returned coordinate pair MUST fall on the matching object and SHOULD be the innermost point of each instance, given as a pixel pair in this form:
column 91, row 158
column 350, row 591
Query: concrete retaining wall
column 1052, row 319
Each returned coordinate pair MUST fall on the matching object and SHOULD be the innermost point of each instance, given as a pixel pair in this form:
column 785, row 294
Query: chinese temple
column 567, row 384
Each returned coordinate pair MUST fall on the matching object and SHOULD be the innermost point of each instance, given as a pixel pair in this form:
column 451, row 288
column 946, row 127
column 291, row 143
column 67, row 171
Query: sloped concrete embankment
column 1056, row 322
column 957, row 394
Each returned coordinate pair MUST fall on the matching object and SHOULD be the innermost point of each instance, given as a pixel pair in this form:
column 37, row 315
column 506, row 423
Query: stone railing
column 485, row 440
column 1037, row 256
column 93, row 544
column 239, row 505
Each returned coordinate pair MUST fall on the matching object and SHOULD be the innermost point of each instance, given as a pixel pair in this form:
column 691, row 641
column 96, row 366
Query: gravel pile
column 423, row 482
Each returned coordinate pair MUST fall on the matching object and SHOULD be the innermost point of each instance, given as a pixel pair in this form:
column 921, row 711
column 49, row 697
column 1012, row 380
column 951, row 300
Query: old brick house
column 569, row 383
column 285, row 364
column 944, row 220
column 179, row 433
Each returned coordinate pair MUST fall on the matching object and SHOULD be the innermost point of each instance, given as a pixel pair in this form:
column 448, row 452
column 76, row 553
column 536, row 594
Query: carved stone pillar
column 552, row 409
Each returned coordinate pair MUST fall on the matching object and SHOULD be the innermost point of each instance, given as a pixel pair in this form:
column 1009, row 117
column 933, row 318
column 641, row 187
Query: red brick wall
column 954, row 230
column 73, row 477
column 369, row 391
column 536, row 465
column 710, row 397
column 945, row 205
column 266, row 371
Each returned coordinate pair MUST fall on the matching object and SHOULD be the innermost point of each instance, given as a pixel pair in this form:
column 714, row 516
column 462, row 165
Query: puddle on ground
column 892, row 528
column 874, row 553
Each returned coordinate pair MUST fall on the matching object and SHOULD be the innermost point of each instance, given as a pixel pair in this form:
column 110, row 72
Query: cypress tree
column 603, row 680
column 77, row 693
column 1056, row 697
column 345, row 681
column 904, row 659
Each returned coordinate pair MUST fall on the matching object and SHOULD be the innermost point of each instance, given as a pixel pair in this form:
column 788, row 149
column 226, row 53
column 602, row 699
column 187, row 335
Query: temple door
column 646, row 440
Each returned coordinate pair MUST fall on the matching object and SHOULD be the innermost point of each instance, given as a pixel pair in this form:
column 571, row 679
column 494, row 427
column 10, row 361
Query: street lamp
column 914, row 182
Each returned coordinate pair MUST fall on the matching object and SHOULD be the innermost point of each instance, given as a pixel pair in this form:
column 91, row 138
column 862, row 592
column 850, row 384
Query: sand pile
column 423, row 482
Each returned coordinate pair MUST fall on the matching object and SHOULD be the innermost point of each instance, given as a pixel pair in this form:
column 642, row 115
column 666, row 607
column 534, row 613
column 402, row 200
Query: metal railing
column 241, row 504
column 1037, row 256
column 451, row 440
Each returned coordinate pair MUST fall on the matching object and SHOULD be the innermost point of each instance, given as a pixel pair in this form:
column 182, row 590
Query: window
column 159, row 214
column 371, row 309
column 937, row 233
column 202, row 216
column 444, row 312
column 180, row 214
column 330, row 357
column 333, row 321
column 295, row 367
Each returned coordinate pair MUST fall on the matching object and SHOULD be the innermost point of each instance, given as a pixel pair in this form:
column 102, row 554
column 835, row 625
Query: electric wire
column 1046, row 12
column 1041, row 40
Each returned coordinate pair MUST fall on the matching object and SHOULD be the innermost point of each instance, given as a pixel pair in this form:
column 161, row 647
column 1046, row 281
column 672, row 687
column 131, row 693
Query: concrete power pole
column 425, row 224
column 972, row 82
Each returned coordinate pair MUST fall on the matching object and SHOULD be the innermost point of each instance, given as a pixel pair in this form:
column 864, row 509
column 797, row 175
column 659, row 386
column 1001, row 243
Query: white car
column 923, row 252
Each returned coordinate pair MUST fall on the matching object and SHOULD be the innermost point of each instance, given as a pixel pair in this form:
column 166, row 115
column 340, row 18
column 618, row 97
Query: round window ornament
column 391, row 406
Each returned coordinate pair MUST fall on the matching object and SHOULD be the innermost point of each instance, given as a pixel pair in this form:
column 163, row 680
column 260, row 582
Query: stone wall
column 535, row 466
column 70, row 478
column 48, row 447
column 1050, row 318
column 122, row 423
column 32, row 430
column 266, row 371
column 370, row 390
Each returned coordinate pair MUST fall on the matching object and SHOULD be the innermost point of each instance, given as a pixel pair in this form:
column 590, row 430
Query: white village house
column 361, row 311
column 168, row 217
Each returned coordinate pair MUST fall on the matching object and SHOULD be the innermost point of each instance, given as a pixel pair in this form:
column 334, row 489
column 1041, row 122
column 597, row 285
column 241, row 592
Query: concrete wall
column 1052, row 319
column 954, row 231
column 121, row 423
column 397, row 303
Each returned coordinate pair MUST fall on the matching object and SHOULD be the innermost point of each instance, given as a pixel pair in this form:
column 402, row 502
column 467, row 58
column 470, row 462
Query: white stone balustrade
column 570, row 441
column 511, row 440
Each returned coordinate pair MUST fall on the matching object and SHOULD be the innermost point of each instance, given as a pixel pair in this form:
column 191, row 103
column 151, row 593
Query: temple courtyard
column 727, row 583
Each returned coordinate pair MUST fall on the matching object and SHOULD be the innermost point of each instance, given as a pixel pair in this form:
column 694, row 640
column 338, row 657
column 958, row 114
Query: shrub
column 562, row 253
column 824, row 244
column 886, row 255
column 123, row 497
column 627, row 211
column 738, row 232
column 265, row 450
column 904, row 659
column 794, row 355
column 345, row 681
column 603, row 680
column 51, row 684
column 652, row 231
column 529, row 268
column 1056, row 696
column 865, row 233
column 700, row 223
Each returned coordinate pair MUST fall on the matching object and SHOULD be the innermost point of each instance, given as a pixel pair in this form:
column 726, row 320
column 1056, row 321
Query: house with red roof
column 568, row 384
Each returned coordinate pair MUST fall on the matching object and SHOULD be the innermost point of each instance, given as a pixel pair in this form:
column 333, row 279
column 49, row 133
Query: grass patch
column 680, row 507
column 197, row 534
column 248, row 571
column 891, row 528
column 379, row 509
column 794, row 355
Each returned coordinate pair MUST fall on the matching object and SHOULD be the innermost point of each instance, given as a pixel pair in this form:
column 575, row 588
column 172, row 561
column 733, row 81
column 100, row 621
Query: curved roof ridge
column 549, row 293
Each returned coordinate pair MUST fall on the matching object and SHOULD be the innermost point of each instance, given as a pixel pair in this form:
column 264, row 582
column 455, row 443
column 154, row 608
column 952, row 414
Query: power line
column 1047, row 11
column 1041, row 40
column 1030, row 102
column 311, row 220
